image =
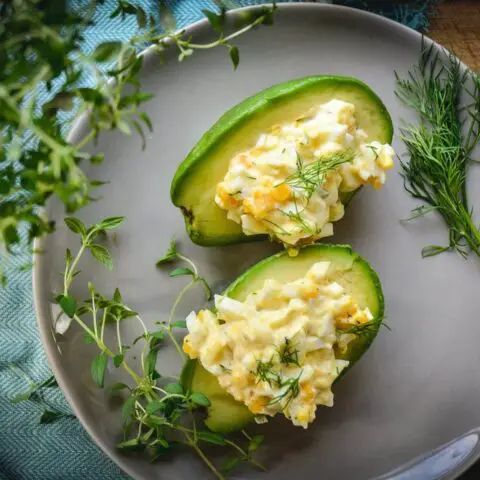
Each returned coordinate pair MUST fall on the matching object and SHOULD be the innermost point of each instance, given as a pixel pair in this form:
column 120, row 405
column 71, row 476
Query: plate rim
column 41, row 303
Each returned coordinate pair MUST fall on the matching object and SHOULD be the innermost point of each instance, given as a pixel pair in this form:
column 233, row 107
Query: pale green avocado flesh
column 194, row 184
column 225, row 414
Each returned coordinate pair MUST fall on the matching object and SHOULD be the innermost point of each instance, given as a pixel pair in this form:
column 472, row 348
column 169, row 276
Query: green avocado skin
column 197, row 176
column 226, row 415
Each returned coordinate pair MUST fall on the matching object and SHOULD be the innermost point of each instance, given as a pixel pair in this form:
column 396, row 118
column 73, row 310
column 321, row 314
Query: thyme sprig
column 173, row 255
column 158, row 414
column 41, row 50
column 440, row 147
column 36, row 393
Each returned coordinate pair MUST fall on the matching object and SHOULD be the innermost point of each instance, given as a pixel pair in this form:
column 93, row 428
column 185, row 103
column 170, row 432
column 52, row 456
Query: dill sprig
column 290, row 387
column 291, row 391
column 306, row 181
column 265, row 373
column 308, row 178
column 367, row 328
column 288, row 354
column 296, row 216
column 440, row 147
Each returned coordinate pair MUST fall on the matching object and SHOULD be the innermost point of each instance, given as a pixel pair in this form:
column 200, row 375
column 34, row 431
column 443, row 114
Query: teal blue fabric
column 62, row 450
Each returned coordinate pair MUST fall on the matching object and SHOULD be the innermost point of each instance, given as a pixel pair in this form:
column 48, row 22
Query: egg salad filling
column 288, row 185
column 276, row 351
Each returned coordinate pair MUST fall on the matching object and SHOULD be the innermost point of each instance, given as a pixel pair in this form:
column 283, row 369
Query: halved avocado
column 225, row 414
column 194, row 184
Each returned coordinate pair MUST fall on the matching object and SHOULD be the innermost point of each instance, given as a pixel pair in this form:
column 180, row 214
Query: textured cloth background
column 62, row 450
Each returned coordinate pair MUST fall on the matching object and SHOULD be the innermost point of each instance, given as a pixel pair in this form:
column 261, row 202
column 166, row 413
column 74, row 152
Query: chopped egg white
column 284, row 187
column 276, row 351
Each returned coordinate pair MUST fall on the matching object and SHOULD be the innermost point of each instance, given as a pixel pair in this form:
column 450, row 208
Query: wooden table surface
column 456, row 25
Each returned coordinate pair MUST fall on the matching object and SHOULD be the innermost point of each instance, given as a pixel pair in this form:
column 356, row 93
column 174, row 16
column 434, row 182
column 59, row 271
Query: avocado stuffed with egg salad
column 285, row 163
column 287, row 186
column 281, row 335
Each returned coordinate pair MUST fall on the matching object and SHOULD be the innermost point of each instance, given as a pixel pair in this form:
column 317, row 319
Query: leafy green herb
column 244, row 455
column 179, row 324
column 156, row 414
column 68, row 304
column 174, row 388
column 234, row 55
column 181, row 272
column 217, row 20
column 102, row 255
column 374, row 150
column 118, row 359
column 367, row 328
column 309, row 178
column 419, row 212
column 441, row 146
column 170, row 255
column 297, row 217
column 40, row 45
column 98, row 367
column 266, row 373
column 99, row 252
column 200, row 399
column 291, row 390
column 211, row 437
column 288, row 353
column 278, row 229
column 290, row 387
column 50, row 416
column 35, row 394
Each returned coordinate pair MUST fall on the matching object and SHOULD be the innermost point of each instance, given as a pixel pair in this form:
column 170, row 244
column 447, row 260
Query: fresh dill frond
column 291, row 391
column 419, row 212
column 440, row 147
column 288, row 354
column 308, row 178
column 374, row 150
column 296, row 216
column 290, row 387
column 367, row 328
column 266, row 373
column 280, row 229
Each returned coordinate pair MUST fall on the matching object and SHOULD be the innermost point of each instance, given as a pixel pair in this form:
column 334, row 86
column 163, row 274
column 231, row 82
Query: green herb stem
column 34, row 151
column 439, row 148
column 205, row 459
column 224, row 40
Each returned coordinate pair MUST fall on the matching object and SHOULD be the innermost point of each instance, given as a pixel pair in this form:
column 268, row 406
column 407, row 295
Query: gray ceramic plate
column 416, row 389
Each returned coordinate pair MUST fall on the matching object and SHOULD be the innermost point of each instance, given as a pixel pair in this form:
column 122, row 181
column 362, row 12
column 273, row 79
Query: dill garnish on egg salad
column 289, row 184
column 284, row 163
column 280, row 349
